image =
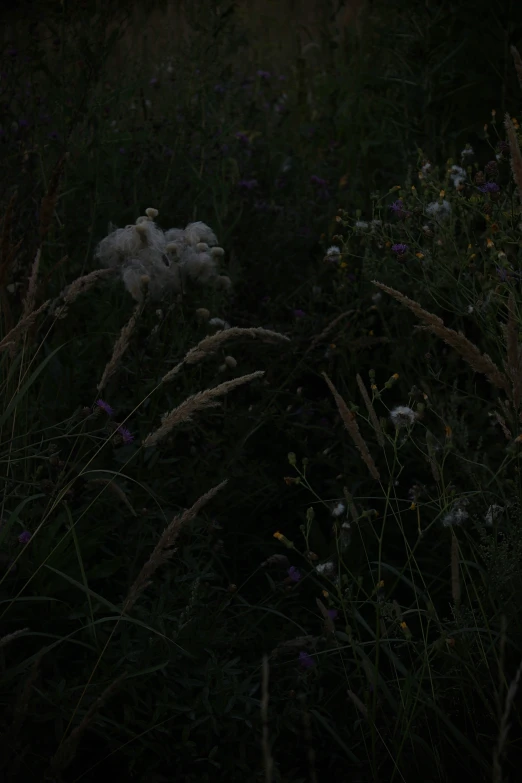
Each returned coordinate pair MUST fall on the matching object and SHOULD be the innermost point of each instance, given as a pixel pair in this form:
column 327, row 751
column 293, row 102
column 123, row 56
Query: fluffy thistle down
column 164, row 550
column 170, row 259
column 479, row 362
column 515, row 155
column 351, row 425
column 194, row 403
column 211, row 344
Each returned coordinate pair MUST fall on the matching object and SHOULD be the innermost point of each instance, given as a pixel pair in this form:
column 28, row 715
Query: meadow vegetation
column 261, row 399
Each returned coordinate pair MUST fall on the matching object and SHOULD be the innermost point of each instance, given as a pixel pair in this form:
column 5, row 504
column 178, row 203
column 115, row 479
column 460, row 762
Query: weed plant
column 260, row 486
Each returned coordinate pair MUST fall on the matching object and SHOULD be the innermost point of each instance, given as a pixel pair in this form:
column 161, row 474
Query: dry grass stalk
column 265, row 744
column 163, row 550
column 515, row 155
column 470, row 353
column 504, row 726
column 117, row 490
column 512, row 365
column 10, row 636
column 23, row 325
column 194, row 403
column 352, row 427
column 7, row 256
column 30, row 297
column 22, row 703
column 518, row 64
column 120, row 346
column 67, row 750
column 212, row 343
column 371, row 410
column 455, row 573
column 358, row 703
column 352, row 508
column 79, row 286
column 51, row 197
column 320, row 337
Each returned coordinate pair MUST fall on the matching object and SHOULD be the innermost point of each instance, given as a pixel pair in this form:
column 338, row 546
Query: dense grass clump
column 261, row 384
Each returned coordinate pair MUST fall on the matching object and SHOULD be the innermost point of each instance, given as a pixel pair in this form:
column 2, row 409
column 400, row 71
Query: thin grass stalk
column 194, row 403
column 353, row 429
column 30, row 297
column 371, row 410
column 481, row 363
column 67, row 750
column 455, row 572
column 320, row 337
column 518, row 63
column 265, row 744
column 515, row 155
column 163, row 551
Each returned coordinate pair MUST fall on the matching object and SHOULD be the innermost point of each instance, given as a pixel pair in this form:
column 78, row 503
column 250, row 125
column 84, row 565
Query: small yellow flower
column 442, row 193
column 325, row 593
column 413, row 188
column 448, row 431
column 278, row 535
column 404, row 626
column 396, row 376
column 343, row 264
column 373, row 387
column 419, row 255
column 518, row 439
column 380, row 584
column 388, row 244
column 472, row 256
column 413, row 507
column 490, row 243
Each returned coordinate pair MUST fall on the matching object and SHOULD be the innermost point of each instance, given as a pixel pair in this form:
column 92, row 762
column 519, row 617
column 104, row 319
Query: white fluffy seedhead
column 169, row 259
column 200, row 232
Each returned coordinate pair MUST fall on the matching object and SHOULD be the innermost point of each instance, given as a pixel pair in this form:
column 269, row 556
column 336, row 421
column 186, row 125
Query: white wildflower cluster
column 402, row 416
column 166, row 259
column 457, row 515
column 457, row 175
column 438, row 209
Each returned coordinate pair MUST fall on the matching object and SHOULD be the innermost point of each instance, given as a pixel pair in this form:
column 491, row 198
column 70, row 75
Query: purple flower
column 248, row 184
column 294, row 574
column 306, row 660
column 125, row 434
column 489, row 187
column 318, row 181
column 332, row 614
column 400, row 249
column 24, row 537
column 122, row 150
column 263, row 74
column 299, row 313
column 153, row 81
column 398, row 208
column 242, row 137
column 105, row 407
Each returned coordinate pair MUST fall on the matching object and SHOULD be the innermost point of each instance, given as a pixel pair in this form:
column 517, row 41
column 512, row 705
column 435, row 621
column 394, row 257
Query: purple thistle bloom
column 24, row 537
column 332, row 613
column 105, row 407
column 400, row 249
column 489, row 187
column 294, row 574
column 398, row 208
column 126, row 434
column 248, row 184
column 242, row 137
column 318, row 181
column 299, row 313
column 306, row 660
